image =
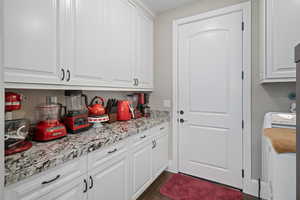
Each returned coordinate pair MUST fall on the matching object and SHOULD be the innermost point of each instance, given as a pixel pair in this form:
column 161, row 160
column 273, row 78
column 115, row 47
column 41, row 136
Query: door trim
column 250, row 186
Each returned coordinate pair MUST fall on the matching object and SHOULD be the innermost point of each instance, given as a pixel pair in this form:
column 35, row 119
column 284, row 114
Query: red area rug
column 181, row 187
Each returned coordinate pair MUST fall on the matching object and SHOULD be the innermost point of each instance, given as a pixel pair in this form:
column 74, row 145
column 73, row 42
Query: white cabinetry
column 160, row 154
column 32, row 41
column 141, row 167
column 281, row 35
column 119, row 172
column 73, row 190
column 95, row 43
column 144, row 50
column 91, row 44
column 58, row 181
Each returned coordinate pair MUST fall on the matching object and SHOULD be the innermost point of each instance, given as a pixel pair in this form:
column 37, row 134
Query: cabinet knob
column 181, row 112
column 181, row 121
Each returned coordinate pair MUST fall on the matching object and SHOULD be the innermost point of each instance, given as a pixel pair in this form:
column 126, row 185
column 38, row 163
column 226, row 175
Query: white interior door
column 210, row 94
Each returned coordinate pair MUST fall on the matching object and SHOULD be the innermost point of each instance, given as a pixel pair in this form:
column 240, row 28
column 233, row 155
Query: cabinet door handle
column 69, row 75
column 52, row 180
column 63, row 74
column 153, row 144
column 162, row 128
column 86, row 186
column 92, row 182
column 113, row 151
column 144, row 136
column 137, row 82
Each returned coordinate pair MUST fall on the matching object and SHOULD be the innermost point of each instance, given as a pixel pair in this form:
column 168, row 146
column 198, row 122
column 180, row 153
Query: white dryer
column 278, row 170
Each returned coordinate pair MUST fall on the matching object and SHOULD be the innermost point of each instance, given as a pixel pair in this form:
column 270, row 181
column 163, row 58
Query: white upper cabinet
column 91, row 44
column 282, row 34
column 144, row 53
column 31, row 41
column 98, row 43
column 122, row 38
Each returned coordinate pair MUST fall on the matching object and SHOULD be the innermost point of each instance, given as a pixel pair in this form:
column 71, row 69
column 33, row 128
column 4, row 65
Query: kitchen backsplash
column 33, row 98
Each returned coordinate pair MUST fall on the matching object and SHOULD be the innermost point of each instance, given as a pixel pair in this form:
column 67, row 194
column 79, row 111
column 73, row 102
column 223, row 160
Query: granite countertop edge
column 44, row 156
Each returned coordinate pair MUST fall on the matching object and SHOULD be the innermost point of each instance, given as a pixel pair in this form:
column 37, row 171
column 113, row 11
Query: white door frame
column 250, row 186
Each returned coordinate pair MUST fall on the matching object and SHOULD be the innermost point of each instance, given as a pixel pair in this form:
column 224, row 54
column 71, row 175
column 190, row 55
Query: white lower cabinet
column 110, row 180
column 73, row 190
column 160, row 155
column 119, row 172
column 141, row 168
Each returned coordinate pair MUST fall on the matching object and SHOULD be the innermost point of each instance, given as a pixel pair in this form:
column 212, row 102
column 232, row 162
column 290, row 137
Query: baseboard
column 251, row 188
column 172, row 168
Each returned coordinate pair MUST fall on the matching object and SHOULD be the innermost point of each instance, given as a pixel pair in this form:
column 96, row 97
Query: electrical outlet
column 167, row 103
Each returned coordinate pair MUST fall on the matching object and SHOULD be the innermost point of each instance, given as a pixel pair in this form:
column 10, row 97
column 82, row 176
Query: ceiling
column 159, row 6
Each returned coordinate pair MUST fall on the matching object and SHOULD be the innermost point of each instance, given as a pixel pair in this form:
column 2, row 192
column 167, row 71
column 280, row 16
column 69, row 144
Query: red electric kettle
column 123, row 111
column 96, row 108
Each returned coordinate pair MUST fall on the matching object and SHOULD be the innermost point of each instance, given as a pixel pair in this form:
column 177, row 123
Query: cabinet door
column 121, row 31
column 144, row 54
column 110, row 180
column 282, row 35
column 160, row 155
column 91, row 50
column 31, row 50
column 141, row 168
column 74, row 190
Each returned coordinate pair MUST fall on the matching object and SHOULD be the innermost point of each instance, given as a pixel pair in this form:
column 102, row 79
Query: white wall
column 272, row 97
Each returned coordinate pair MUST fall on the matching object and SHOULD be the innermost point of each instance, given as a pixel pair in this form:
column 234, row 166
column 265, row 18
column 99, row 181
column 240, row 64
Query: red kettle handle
column 97, row 98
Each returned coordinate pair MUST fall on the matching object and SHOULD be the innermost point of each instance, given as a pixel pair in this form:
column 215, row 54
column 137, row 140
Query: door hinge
column 243, row 75
column 243, row 26
column 243, row 173
column 243, row 124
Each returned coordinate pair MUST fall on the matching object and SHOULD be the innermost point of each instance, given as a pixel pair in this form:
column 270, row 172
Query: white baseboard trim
column 171, row 168
column 251, row 188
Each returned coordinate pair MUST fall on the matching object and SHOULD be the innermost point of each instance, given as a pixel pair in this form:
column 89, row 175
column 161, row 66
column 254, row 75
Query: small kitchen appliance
column 124, row 113
column 76, row 113
column 12, row 101
column 49, row 128
column 96, row 111
column 96, row 107
column 16, row 132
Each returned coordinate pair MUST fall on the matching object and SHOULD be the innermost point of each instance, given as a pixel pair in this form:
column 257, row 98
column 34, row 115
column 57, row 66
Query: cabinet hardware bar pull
column 144, row 136
column 63, row 74
column 153, row 144
column 92, row 182
column 113, row 151
column 86, row 186
column 69, row 75
column 47, row 182
column 162, row 128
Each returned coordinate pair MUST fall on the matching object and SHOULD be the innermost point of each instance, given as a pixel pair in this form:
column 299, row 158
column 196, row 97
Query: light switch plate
column 167, row 103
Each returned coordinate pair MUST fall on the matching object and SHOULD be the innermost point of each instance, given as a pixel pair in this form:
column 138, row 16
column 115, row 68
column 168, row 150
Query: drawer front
column 41, row 184
column 97, row 158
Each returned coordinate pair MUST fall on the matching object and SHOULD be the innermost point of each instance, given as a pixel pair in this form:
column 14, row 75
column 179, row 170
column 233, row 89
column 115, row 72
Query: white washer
column 278, row 170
